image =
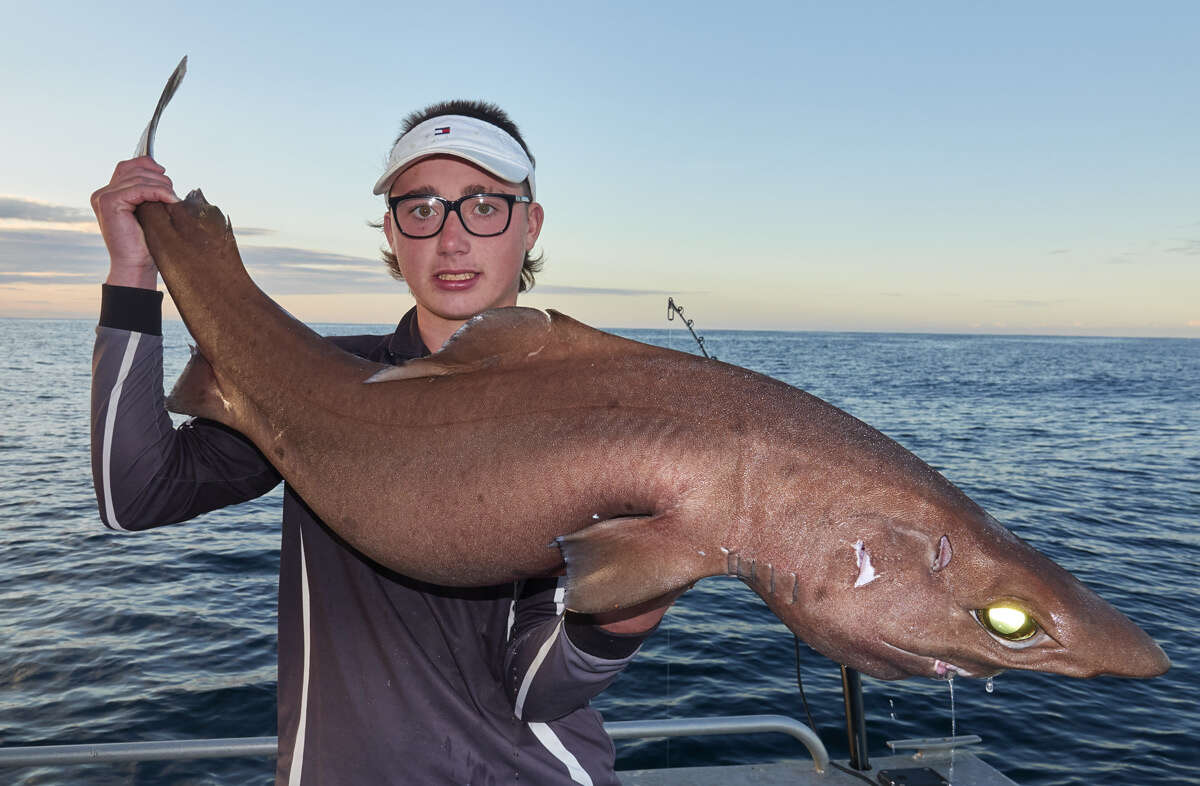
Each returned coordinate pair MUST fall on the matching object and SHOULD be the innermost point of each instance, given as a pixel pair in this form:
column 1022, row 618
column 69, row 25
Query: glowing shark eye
column 1007, row 622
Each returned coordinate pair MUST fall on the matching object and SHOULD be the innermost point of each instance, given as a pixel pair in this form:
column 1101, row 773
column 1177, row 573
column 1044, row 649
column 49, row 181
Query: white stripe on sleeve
column 297, row 764
column 560, row 595
column 553, row 744
column 531, row 672
column 110, row 418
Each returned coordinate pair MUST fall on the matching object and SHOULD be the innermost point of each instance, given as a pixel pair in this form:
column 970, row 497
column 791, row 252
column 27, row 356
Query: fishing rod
column 672, row 309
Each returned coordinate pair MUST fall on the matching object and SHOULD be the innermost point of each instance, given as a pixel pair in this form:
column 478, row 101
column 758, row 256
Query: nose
column 454, row 238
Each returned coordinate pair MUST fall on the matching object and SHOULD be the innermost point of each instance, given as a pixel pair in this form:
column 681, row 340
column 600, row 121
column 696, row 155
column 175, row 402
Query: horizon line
column 864, row 331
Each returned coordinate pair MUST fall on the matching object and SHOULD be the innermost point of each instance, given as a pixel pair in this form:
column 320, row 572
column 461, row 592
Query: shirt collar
column 406, row 342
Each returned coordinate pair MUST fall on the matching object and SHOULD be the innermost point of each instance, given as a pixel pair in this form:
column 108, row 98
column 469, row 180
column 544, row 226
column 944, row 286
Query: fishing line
column 669, row 703
column 672, row 310
column 800, row 684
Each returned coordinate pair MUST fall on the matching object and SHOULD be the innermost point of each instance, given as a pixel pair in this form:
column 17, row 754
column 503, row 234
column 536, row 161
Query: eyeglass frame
column 453, row 207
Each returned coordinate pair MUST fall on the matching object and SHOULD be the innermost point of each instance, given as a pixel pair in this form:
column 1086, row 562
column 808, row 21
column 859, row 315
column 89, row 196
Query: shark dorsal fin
column 509, row 337
column 497, row 336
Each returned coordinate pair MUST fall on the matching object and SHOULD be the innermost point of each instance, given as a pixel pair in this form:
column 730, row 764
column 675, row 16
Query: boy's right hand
column 133, row 182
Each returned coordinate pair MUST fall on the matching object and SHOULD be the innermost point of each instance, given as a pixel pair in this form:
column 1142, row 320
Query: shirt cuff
column 600, row 643
column 130, row 308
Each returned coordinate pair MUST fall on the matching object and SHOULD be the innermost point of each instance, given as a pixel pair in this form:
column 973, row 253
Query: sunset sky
column 950, row 167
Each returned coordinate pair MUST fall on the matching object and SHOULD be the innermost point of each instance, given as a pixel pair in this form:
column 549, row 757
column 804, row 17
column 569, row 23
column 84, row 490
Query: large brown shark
column 532, row 440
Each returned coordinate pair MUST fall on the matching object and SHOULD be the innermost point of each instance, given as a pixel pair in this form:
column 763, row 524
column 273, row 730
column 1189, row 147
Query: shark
column 532, row 444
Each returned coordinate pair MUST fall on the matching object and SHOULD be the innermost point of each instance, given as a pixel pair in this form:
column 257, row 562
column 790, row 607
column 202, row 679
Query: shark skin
column 531, row 441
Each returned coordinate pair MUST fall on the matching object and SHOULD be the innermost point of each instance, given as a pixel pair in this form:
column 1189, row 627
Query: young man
column 382, row 679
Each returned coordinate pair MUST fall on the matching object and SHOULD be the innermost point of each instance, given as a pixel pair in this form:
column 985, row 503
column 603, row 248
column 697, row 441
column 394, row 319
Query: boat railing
column 237, row 747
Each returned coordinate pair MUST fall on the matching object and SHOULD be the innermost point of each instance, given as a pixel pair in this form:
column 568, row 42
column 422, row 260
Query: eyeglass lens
column 423, row 216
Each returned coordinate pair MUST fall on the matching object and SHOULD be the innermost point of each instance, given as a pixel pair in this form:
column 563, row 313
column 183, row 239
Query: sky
column 929, row 167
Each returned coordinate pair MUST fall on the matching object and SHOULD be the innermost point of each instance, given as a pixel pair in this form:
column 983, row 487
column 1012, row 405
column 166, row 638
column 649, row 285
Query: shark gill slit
column 728, row 561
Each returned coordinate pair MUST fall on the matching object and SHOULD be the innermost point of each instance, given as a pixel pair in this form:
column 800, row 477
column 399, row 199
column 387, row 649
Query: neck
column 435, row 330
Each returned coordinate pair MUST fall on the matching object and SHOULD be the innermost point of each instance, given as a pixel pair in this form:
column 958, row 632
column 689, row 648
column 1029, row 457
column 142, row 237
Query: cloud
column 44, row 277
column 57, row 256
column 281, row 270
column 32, row 210
column 1059, row 251
column 51, row 256
column 562, row 289
column 1026, row 302
column 252, row 231
column 1191, row 247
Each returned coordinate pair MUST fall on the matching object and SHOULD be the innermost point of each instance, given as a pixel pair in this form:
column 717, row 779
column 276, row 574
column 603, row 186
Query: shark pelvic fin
column 621, row 562
column 197, row 392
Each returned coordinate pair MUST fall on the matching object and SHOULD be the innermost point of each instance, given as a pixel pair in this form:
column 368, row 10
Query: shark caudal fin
column 197, row 393
column 622, row 562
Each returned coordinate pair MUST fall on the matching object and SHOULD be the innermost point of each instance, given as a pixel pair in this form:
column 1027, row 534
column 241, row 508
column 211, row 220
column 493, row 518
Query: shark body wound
column 531, row 441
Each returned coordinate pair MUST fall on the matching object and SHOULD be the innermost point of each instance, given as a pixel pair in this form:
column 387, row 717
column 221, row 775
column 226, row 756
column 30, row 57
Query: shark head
column 956, row 593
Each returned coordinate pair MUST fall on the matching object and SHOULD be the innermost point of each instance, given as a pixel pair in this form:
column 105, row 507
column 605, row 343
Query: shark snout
column 1127, row 653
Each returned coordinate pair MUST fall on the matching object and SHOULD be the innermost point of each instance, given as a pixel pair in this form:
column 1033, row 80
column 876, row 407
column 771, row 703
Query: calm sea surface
column 1087, row 448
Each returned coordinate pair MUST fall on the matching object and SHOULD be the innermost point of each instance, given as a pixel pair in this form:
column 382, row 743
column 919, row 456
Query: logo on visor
column 442, row 130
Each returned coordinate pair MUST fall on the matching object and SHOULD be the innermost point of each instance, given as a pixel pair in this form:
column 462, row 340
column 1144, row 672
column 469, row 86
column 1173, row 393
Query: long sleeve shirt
column 382, row 679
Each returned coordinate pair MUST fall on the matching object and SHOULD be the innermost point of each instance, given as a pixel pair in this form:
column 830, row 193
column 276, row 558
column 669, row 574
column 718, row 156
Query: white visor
column 477, row 141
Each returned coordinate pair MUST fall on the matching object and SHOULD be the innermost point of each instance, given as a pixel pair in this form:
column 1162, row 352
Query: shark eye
column 1007, row 622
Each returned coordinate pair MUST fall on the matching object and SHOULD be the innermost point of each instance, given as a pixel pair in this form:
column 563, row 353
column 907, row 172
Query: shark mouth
column 935, row 667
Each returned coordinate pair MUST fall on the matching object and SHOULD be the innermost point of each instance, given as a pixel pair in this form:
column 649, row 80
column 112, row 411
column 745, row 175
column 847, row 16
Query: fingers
column 133, row 182
column 141, row 162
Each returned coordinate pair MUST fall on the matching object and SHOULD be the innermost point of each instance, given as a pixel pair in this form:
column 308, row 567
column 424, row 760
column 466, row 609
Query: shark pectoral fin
column 197, row 392
column 621, row 562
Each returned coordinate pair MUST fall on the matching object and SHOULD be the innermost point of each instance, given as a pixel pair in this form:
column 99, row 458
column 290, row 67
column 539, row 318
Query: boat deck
column 935, row 754
column 969, row 770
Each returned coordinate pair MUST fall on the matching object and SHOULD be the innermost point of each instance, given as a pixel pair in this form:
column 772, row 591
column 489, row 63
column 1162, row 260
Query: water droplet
column 892, row 704
column 991, row 685
column 953, row 728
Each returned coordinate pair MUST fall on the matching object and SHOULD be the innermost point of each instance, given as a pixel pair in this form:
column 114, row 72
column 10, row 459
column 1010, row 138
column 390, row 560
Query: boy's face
column 454, row 275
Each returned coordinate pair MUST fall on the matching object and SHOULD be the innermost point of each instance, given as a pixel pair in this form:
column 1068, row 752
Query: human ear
column 533, row 226
column 387, row 231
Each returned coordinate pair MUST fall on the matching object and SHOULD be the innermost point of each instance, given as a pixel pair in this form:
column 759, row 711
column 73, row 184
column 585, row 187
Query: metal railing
column 43, row 755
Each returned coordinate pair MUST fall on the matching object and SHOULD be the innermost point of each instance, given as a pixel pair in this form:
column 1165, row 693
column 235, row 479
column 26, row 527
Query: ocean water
column 1088, row 448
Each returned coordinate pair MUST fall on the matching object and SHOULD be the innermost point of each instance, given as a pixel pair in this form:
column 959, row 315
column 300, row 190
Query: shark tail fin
column 197, row 392
column 622, row 562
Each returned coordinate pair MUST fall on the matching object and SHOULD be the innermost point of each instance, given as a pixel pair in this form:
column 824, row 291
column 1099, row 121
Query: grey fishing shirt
column 382, row 679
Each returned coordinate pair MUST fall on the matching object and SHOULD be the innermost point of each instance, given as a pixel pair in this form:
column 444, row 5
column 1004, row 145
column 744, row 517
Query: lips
column 455, row 280
column 943, row 669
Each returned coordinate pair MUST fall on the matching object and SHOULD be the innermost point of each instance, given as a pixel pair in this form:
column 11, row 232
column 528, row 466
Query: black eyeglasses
column 483, row 215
